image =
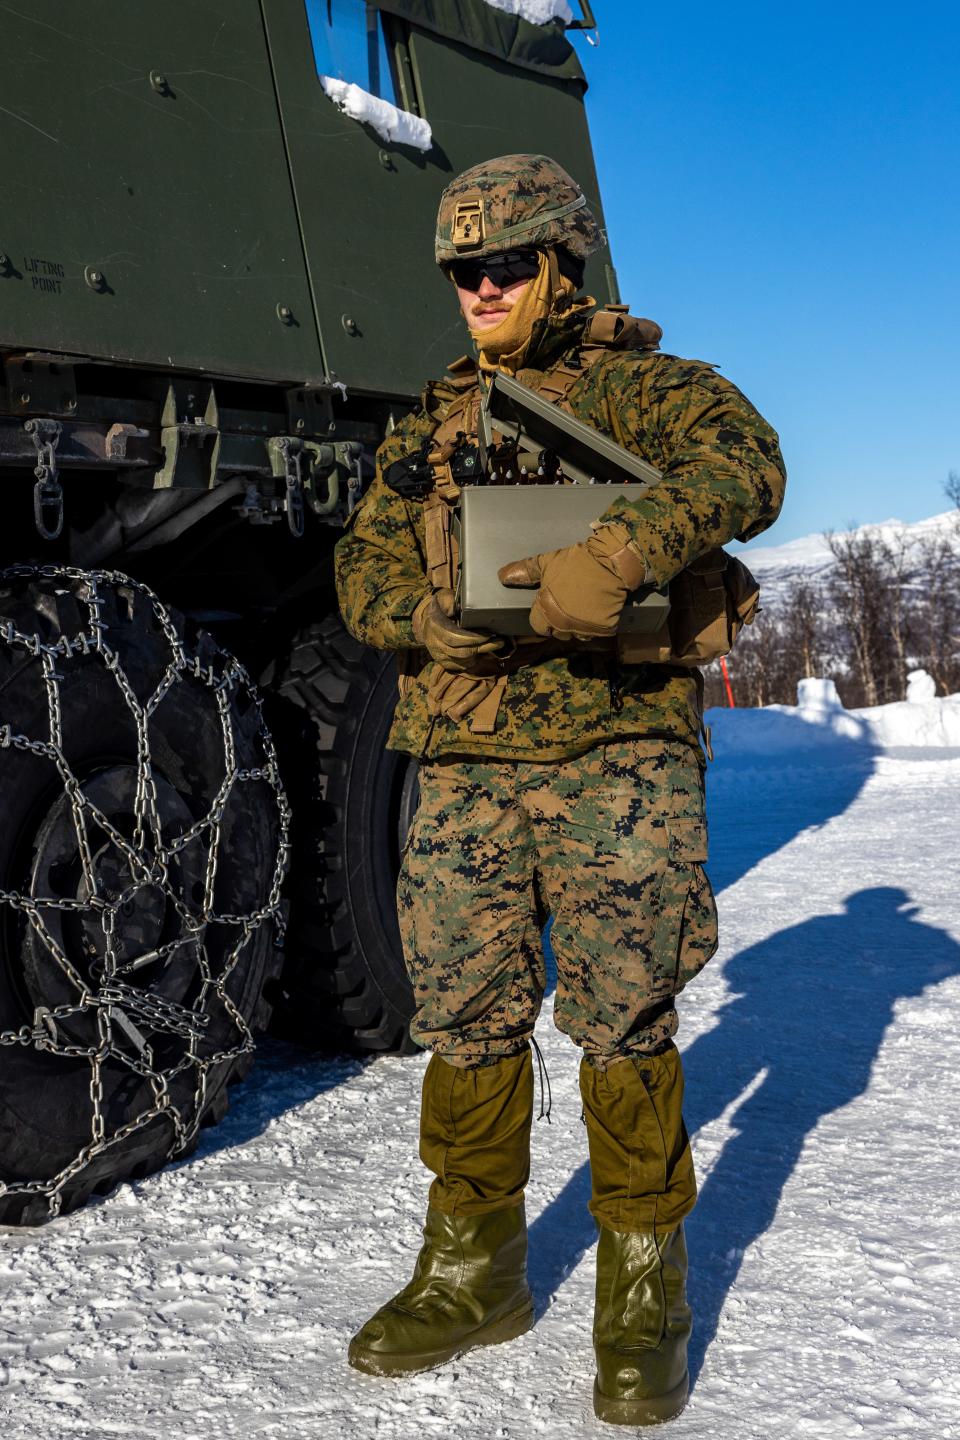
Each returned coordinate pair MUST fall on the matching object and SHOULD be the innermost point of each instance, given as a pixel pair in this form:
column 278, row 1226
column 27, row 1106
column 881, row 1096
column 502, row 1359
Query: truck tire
column 141, row 857
column 330, row 702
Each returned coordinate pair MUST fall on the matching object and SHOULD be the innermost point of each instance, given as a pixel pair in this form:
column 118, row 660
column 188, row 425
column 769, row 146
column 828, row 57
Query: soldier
column 555, row 779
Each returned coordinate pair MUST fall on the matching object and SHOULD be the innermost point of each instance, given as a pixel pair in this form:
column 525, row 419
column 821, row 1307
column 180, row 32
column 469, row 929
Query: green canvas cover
column 543, row 48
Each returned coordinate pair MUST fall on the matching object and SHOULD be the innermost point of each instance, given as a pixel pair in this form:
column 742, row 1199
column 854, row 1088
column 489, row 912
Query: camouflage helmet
column 513, row 201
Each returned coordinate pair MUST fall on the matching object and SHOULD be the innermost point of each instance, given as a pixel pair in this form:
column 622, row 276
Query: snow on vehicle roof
column 538, row 12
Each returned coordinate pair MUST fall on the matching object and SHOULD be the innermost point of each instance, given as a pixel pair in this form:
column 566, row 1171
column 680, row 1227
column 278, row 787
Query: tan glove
column 457, row 650
column 583, row 588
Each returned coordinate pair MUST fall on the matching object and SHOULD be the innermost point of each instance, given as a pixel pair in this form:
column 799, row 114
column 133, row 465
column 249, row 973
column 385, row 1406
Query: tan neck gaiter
column 506, row 346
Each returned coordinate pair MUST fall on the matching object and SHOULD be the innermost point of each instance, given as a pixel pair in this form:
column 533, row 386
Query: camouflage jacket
column 723, row 477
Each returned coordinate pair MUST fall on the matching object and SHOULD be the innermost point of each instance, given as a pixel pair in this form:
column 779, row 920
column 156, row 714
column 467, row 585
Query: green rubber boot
column 643, row 1187
column 470, row 1283
column 469, row 1288
column 641, row 1327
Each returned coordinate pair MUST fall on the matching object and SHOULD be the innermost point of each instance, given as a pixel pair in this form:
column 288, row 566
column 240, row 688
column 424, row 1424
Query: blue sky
column 782, row 191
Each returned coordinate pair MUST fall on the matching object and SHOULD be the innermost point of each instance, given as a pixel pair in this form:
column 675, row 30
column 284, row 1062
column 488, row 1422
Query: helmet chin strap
column 560, row 296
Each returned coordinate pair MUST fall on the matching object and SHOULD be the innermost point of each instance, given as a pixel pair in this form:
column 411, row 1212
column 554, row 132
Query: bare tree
column 802, row 626
column 714, row 692
column 889, row 602
column 762, row 667
column 952, row 487
column 894, row 565
column 937, row 611
column 855, row 587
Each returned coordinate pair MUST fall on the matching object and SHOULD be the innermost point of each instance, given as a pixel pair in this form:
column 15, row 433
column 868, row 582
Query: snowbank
column 538, row 12
column 398, row 127
column 819, row 722
column 920, row 687
column 927, row 722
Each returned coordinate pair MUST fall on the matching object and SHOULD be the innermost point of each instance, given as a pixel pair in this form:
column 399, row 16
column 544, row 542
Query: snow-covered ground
column 822, row 1049
column 819, row 724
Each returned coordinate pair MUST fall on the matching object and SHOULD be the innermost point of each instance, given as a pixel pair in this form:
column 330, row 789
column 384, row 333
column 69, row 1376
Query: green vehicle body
column 217, row 295
column 183, row 197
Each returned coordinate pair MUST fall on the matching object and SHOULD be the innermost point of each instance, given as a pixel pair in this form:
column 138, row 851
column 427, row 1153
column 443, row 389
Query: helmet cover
column 512, row 202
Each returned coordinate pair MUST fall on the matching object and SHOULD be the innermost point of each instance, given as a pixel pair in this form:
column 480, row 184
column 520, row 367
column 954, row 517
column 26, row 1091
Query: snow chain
column 118, row 1005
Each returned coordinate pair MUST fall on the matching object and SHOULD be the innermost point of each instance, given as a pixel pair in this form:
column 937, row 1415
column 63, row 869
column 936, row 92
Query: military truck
column 217, row 295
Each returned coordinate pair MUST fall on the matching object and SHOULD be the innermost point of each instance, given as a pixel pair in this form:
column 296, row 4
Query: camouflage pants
column 611, row 844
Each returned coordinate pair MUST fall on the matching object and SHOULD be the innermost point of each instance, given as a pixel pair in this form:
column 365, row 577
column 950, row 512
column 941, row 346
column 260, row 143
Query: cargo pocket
column 688, row 839
column 687, row 915
column 698, row 926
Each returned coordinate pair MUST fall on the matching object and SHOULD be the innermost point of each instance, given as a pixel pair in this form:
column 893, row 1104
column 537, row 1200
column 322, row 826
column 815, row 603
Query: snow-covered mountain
column 810, row 557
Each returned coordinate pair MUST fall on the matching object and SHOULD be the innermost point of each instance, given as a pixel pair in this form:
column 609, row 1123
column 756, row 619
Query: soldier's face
column 486, row 307
column 490, row 287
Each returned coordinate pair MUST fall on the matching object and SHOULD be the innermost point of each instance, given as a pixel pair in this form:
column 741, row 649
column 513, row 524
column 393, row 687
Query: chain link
column 128, row 1019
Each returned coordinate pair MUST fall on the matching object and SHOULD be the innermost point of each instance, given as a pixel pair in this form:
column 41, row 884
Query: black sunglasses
column 507, row 268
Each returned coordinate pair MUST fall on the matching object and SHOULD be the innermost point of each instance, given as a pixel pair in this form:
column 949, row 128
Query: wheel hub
column 140, row 917
column 152, row 916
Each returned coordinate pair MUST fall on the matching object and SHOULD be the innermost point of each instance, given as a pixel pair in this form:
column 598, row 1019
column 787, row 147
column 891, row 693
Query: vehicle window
column 348, row 44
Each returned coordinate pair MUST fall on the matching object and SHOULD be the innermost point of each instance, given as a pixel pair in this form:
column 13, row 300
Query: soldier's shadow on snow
column 808, row 1011
column 757, row 803
column 796, row 1040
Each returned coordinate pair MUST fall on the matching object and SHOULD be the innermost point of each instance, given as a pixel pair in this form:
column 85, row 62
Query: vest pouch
column 743, row 592
column 710, row 602
column 635, row 648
